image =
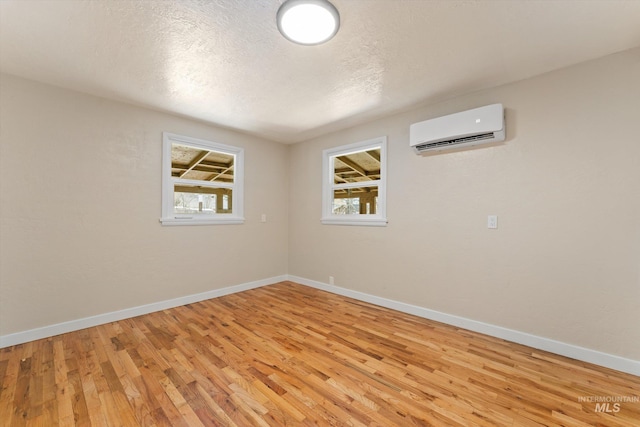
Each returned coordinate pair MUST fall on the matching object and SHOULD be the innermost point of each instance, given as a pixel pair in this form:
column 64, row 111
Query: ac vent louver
column 431, row 145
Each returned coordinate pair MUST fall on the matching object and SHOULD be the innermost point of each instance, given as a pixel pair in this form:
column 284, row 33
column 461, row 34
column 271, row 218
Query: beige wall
column 564, row 263
column 80, row 181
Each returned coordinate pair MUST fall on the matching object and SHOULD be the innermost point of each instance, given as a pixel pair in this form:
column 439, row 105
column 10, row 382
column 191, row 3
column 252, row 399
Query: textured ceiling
column 224, row 61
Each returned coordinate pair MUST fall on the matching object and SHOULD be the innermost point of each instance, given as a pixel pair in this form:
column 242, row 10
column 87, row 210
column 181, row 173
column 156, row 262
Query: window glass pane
column 355, row 201
column 188, row 162
column 189, row 199
column 357, row 167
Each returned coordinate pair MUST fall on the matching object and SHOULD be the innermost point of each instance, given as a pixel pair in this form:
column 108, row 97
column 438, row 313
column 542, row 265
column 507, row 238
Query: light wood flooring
column 289, row 355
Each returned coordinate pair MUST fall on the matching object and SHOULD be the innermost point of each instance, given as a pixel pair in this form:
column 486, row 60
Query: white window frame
column 169, row 217
column 378, row 219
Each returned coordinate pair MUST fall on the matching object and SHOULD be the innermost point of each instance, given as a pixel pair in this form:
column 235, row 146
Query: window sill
column 370, row 222
column 201, row 221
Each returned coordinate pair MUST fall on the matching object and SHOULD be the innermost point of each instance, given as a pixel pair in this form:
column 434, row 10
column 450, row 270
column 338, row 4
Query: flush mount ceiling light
column 308, row 22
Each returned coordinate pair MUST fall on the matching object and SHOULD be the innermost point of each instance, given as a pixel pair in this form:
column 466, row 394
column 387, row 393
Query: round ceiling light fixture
column 308, row 22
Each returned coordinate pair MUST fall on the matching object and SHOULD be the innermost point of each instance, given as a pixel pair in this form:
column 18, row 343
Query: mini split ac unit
column 472, row 127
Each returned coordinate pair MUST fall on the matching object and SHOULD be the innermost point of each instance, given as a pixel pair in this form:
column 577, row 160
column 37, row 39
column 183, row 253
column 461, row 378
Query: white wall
column 564, row 263
column 80, row 181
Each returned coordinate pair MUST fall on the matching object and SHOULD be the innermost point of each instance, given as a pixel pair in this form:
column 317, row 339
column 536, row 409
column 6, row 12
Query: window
column 354, row 183
column 202, row 182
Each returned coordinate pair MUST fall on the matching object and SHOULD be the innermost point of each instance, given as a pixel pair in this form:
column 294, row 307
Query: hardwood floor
column 289, row 355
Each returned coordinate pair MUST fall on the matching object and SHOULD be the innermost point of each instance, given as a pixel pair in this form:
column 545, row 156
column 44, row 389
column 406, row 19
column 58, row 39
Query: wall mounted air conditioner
column 472, row 127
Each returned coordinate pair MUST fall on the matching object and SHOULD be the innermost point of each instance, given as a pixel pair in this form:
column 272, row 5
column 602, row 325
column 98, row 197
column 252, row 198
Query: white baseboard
column 101, row 319
column 580, row 353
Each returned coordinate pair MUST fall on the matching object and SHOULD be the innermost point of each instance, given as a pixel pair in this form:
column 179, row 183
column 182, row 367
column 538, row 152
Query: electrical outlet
column 263, row 218
column 331, row 280
column 492, row 221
